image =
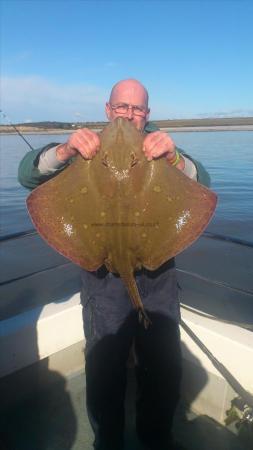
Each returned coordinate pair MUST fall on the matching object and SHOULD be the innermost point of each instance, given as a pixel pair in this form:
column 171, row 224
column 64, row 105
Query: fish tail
column 130, row 283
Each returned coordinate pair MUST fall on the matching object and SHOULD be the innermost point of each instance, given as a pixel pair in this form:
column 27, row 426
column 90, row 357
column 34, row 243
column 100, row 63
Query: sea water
column 227, row 156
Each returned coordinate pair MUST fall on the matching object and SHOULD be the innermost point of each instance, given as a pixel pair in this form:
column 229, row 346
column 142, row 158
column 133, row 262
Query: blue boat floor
column 57, row 420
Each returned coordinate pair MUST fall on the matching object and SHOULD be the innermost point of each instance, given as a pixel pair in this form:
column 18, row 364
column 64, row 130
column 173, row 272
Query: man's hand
column 84, row 141
column 159, row 143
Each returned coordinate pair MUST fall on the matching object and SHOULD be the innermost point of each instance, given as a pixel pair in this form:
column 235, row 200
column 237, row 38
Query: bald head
column 132, row 93
column 130, row 89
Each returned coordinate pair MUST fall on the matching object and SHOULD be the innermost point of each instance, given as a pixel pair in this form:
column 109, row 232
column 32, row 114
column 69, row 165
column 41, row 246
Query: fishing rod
column 15, row 128
column 241, row 411
column 234, row 383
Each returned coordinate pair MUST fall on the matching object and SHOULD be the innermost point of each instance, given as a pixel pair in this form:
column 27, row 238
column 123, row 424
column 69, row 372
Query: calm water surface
column 228, row 157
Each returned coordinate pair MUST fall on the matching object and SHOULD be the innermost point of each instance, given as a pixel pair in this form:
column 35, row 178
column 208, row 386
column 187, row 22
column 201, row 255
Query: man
column 110, row 323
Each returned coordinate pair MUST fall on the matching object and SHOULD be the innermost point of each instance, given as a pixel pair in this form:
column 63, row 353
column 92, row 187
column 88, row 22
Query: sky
column 59, row 59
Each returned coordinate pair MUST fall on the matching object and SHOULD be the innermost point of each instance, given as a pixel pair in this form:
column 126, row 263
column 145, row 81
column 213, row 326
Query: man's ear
column 108, row 111
column 147, row 115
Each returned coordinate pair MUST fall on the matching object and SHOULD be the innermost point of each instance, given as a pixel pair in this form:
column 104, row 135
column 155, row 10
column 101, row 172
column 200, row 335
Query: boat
column 42, row 382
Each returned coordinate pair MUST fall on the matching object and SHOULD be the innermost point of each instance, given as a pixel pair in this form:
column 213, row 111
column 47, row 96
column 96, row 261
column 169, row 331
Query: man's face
column 129, row 101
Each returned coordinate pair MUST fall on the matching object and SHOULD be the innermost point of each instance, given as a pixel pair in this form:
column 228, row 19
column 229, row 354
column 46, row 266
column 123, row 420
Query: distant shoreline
column 173, row 125
column 167, row 129
column 210, row 128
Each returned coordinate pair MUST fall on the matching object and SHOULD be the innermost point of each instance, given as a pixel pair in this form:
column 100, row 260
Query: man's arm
column 44, row 163
column 40, row 165
column 30, row 174
column 200, row 174
column 158, row 143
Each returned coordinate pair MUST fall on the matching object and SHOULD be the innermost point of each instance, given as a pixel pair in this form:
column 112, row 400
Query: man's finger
column 86, row 142
column 89, row 136
column 156, row 149
column 150, row 138
column 85, row 147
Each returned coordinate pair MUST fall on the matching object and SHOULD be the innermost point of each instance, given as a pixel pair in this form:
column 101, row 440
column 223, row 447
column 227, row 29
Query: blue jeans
column 111, row 324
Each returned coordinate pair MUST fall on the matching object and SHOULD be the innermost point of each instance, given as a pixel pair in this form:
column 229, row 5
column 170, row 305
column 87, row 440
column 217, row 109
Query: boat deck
column 57, row 420
column 32, row 292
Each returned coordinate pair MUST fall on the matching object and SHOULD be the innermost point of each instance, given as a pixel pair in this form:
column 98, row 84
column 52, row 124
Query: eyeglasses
column 122, row 108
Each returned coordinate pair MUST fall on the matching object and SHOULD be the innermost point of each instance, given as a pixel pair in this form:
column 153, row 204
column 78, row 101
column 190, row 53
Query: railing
column 206, row 234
